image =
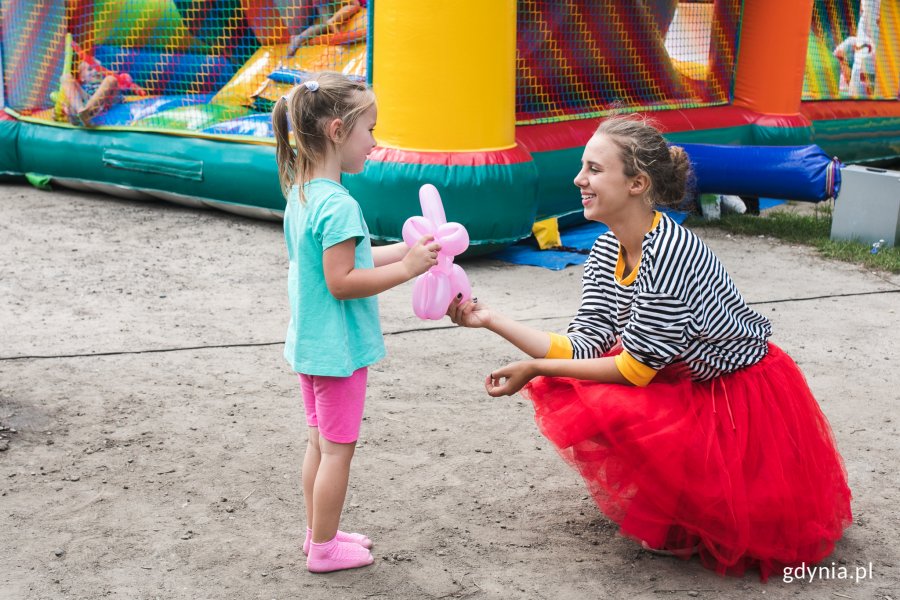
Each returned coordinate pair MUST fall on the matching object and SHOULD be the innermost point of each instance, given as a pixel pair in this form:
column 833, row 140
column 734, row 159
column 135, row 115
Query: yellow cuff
column 560, row 347
column 637, row 373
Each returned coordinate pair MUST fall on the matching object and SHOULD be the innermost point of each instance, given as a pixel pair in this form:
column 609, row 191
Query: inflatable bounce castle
column 489, row 101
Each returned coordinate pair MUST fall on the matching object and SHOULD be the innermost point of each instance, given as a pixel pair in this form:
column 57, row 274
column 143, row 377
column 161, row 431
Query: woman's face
column 605, row 189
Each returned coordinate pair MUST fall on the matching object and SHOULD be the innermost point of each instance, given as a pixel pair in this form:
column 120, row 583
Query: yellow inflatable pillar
column 445, row 74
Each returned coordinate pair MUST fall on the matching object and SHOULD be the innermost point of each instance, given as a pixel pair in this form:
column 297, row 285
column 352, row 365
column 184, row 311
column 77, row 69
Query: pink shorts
column 335, row 404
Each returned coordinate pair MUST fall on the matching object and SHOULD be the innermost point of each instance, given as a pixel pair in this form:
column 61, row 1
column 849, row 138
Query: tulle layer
column 744, row 467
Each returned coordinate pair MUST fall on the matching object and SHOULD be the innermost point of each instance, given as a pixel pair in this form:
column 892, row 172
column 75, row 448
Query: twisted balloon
column 435, row 289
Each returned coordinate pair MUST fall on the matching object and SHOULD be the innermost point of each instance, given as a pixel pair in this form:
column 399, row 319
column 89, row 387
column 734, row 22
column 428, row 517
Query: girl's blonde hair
column 643, row 149
column 309, row 107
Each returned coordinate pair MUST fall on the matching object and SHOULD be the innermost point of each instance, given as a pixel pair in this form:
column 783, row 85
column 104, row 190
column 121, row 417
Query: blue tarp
column 581, row 237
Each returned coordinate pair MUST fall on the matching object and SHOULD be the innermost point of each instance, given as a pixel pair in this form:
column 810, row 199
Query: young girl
column 334, row 275
column 693, row 432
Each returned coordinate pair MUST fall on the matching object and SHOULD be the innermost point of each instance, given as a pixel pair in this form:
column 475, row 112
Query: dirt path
column 166, row 464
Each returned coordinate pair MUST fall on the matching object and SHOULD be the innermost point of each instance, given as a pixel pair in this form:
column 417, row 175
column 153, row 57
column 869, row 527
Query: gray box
column 868, row 206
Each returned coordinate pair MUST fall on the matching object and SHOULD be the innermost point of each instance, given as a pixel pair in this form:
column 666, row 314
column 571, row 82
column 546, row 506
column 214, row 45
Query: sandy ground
column 151, row 437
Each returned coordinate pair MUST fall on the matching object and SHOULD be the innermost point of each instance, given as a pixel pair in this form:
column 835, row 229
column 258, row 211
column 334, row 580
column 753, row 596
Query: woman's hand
column 516, row 375
column 470, row 313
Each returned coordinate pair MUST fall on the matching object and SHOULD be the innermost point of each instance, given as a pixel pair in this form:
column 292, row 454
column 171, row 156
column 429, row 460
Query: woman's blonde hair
column 643, row 149
column 308, row 108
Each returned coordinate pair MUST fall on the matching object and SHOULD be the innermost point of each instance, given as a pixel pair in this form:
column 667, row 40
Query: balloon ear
column 453, row 237
column 432, row 207
column 414, row 228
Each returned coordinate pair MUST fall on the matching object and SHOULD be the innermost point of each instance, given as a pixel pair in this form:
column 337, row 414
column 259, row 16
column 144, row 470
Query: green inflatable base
column 9, row 153
column 861, row 140
column 209, row 170
column 495, row 203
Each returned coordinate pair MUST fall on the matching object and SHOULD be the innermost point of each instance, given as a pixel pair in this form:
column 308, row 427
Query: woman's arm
column 529, row 340
column 346, row 282
column 508, row 380
column 385, row 255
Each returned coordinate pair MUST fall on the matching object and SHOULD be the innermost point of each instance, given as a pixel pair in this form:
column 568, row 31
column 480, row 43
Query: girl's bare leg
column 310, row 469
column 330, row 488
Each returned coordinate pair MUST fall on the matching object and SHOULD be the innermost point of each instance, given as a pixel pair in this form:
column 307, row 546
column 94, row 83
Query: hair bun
column 681, row 174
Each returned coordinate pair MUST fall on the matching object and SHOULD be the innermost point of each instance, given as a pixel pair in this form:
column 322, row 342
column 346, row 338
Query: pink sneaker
column 342, row 536
column 337, row 556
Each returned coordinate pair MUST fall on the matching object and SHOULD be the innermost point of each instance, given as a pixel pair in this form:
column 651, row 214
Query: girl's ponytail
column 284, row 153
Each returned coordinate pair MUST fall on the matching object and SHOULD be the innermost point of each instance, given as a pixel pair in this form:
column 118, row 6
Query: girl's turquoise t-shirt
column 327, row 336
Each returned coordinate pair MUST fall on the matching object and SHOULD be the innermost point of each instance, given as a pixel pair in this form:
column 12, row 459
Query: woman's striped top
column 681, row 308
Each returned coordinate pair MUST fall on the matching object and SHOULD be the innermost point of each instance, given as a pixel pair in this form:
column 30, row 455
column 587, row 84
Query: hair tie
column 311, row 85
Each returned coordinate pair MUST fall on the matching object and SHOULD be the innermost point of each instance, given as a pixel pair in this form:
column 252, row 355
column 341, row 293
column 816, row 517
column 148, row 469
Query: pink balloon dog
column 435, row 289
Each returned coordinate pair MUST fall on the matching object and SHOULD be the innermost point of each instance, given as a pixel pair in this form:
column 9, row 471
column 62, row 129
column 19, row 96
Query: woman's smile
column 586, row 198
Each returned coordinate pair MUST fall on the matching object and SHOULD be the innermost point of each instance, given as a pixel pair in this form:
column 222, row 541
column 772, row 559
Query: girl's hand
column 422, row 256
column 469, row 313
column 516, row 375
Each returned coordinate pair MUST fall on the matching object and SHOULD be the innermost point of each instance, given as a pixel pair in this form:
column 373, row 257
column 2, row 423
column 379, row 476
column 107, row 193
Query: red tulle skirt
column 743, row 468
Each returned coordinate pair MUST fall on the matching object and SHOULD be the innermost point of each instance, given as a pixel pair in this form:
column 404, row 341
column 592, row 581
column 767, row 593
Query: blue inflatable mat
column 581, row 238
column 256, row 125
column 129, row 112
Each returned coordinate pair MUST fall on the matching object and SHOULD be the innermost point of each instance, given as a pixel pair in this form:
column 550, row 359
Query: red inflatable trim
column 509, row 156
column 547, row 137
column 853, row 109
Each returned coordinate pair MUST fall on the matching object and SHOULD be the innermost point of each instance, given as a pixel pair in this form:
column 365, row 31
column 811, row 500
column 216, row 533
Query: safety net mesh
column 853, row 50
column 206, row 66
column 579, row 58
column 217, row 66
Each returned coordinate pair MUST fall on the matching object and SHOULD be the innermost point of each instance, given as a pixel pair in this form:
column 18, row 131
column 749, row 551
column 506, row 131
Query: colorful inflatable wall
column 489, row 101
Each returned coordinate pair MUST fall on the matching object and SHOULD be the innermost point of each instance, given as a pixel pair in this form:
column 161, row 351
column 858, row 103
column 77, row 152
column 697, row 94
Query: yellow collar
column 620, row 263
